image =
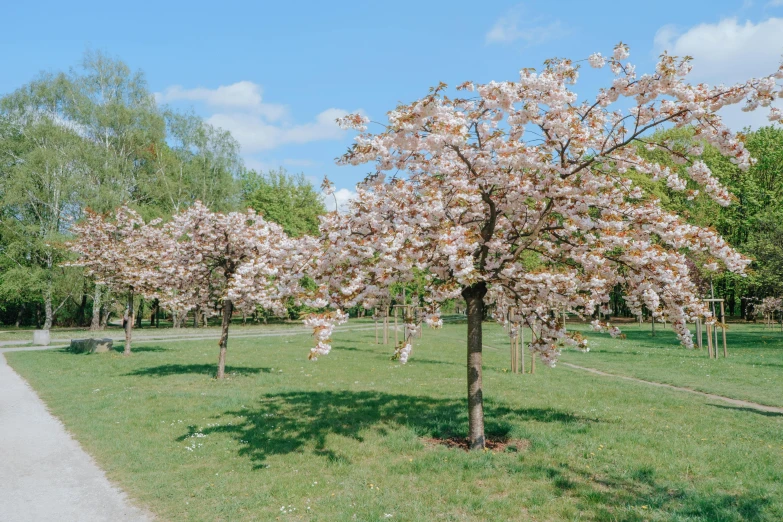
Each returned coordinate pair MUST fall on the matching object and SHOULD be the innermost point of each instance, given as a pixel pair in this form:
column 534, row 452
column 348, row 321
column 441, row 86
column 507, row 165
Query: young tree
column 519, row 195
column 231, row 260
column 119, row 253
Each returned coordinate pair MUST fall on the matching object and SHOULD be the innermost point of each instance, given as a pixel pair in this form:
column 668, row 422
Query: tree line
column 94, row 138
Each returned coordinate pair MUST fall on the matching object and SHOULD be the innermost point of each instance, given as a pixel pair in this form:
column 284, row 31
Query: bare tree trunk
column 129, row 324
column 228, row 308
column 49, row 315
column 96, row 309
column 196, row 314
column 474, row 299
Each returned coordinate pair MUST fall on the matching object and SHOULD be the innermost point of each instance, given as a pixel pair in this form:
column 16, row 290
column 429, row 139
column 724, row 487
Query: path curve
column 736, row 402
column 44, row 472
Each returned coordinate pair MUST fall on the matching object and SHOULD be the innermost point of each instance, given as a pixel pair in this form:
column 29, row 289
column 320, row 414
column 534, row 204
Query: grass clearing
column 344, row 438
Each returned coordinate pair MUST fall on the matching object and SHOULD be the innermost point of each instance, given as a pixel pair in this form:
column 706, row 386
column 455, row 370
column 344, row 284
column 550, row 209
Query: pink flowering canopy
column 521, row 188
column 116, row 250
column 205, row 257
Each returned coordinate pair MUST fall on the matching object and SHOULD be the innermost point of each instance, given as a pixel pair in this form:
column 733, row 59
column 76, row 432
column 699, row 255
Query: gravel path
column 44, row 473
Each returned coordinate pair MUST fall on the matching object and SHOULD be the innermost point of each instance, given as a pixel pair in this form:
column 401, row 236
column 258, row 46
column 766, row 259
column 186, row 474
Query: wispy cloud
column 519, row 24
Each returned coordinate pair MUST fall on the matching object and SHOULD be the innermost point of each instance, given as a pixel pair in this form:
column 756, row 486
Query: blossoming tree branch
column 517, row 195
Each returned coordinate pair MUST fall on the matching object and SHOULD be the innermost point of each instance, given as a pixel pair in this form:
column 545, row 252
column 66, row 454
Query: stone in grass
column 91, row 345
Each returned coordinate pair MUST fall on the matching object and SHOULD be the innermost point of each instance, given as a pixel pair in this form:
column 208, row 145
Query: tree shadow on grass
column 639, row 495
column 748, row 410
column 295, row 421
column 141, row 349
column 207, row 369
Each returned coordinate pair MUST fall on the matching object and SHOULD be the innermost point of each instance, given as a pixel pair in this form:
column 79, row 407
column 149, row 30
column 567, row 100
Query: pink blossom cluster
column 323, row 325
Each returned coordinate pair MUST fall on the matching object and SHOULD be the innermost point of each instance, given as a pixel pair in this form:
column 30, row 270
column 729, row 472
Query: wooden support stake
column 723, row 322
column 396, row 341
column 386, row 326
column 709, row 340
column 521, row 341
column 532, row 354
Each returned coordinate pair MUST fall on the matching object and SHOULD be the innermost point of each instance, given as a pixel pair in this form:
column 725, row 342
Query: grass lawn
column 343, row 438
column 753, row 371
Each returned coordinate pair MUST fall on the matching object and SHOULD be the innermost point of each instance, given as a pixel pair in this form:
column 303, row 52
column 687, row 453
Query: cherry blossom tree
column 118, row 252
column 235, row 260
column 518, row 195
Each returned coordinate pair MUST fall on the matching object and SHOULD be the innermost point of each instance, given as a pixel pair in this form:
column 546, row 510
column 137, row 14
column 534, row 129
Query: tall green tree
column 94, row 137
column 197, row 162
column 289, row 200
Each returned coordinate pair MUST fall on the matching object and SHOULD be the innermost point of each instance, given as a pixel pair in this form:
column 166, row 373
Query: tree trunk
column 49, row 315
column 196, row 314
column 129, row 323
column 155, row 316
column 139, row 316
column 474, row 299
column 20, row 315
column 228, row 308
column 96, row 309
column 80, row 312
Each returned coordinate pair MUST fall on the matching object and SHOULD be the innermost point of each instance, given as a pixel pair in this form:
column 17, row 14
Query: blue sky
column 277, row 73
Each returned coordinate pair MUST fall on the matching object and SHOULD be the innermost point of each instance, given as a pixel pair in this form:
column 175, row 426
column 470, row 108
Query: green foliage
column 748, row 224
column 93, row 137
column 289, row 200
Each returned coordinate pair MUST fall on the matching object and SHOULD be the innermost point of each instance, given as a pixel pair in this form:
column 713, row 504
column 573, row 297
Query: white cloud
column 517, row 24
column 239, row 108
column 242, row 95
column 343, row 196
column 255, row 133
column 728, row 52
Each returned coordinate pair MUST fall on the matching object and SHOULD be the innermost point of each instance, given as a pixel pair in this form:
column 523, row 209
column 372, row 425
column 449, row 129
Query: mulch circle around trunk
column 463, row 443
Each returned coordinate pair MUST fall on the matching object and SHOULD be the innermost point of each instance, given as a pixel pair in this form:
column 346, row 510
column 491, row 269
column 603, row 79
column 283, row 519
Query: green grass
column 752, row 372
column 342, row 438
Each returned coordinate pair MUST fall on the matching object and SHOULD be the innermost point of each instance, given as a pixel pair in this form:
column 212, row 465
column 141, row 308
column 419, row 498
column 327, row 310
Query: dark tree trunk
column 474, row 299
column 19, row 316
column 228, row 308
column 129, row 324
column 196, row 314
column 80, row 312
column 139, row 316
column 154, row 313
